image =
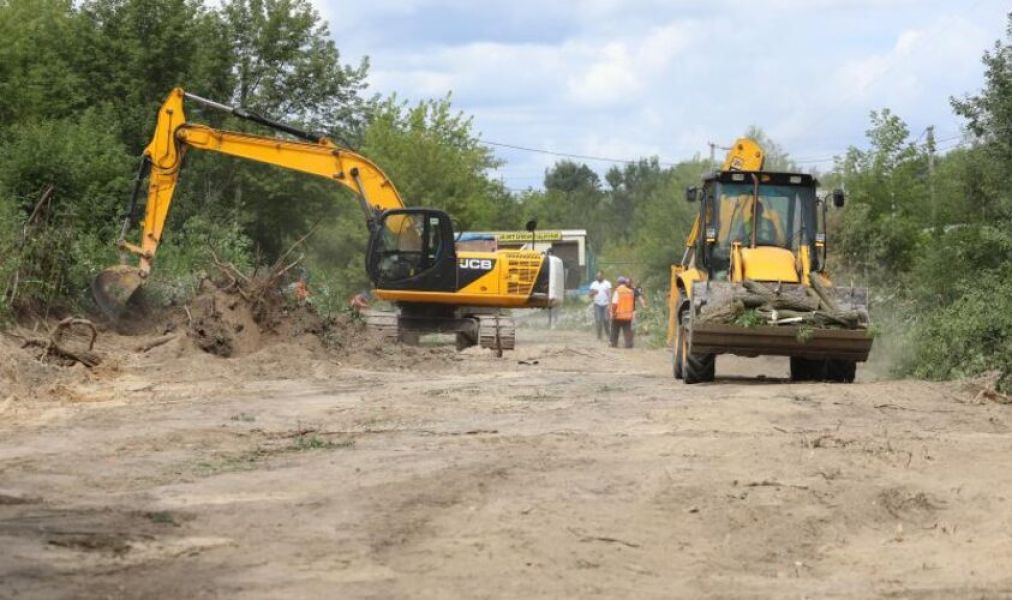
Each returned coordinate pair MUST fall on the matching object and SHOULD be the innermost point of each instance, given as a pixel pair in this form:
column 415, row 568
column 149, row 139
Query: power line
column 800, row 161
column 570, row 155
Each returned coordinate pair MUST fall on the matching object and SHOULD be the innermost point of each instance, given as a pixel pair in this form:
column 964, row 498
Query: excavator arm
column 174, row 135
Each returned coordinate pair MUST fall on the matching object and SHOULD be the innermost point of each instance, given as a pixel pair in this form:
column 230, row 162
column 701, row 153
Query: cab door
column 413, row 249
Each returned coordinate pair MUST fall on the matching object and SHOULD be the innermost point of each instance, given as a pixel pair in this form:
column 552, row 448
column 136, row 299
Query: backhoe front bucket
column 802, row 341
column 113, row 288
column 837, row 344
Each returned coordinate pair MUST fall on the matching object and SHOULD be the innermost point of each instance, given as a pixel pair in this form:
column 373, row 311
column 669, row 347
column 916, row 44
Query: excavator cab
column 413, row 249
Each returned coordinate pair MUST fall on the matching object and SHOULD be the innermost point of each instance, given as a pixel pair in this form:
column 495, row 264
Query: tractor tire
column 699, row 368
column 678, row 354
column 807, row 369
column 841, row 371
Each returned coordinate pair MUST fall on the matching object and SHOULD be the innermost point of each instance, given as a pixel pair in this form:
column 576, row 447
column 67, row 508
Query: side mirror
column 691, row 193
column 532, row 225
column 838, row 198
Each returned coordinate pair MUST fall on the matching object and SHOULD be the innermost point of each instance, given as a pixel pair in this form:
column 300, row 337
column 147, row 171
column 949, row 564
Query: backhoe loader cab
column 758, row 246
column 752, row 210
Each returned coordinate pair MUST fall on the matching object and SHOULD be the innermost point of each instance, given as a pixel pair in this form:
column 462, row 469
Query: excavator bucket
column 114, row 287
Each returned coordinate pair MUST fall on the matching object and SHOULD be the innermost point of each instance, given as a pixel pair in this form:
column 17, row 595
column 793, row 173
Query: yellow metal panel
column 767, row 263
column 805, row 258
column 690, row 276
column 459, row 298
column 745, row 155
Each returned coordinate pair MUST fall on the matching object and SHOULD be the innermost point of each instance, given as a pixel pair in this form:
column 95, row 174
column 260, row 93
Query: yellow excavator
column 411, row 258
column 766, row 228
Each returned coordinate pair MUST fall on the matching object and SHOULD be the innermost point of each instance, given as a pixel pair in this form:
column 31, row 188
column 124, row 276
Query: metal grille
column 522, row 272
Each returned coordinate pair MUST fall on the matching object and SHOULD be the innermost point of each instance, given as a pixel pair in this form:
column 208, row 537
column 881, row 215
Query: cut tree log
column 759, row 294
column 722, row 314
column 824, row 295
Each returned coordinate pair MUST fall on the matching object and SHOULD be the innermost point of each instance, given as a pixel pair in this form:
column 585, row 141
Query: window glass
column 779, row 215
column 408, row 245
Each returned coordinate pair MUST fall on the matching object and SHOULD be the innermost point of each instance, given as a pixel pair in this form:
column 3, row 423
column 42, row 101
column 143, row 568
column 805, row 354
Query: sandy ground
column 566, row 469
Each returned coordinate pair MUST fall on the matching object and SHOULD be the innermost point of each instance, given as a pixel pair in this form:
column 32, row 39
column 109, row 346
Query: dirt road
column 564, row 470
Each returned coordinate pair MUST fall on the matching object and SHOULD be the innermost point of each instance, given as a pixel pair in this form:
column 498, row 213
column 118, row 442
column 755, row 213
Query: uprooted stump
column 236, row 313
column 222, row 323
column 56, row 350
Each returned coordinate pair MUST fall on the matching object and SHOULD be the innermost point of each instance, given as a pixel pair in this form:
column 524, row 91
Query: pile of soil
column 232, row 320
column 260, row 330
column 227, row 322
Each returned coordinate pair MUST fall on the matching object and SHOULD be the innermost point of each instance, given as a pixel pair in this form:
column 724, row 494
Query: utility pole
column 713, row 153
column 930, row 145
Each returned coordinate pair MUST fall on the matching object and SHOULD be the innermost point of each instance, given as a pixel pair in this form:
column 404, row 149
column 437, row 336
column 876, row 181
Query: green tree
column 663, row 221
column 283, row 46
column 435, row 158
column 283, row 65
column 38, row 75
column 989, row 118
column 135, row 51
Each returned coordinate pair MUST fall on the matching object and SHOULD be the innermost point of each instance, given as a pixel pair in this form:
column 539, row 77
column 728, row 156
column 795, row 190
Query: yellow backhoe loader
column 753, row 278
column 411, row 259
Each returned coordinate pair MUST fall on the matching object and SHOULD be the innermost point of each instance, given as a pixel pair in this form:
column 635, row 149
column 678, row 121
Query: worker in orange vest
column 623, row 309
column 299, row 289
column 360, row 302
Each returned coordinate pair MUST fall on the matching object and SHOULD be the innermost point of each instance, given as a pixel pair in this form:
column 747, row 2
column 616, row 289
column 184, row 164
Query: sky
column 626, row 79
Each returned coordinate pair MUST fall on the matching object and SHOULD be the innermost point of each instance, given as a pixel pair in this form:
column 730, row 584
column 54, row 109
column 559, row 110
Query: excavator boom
column 163, row 157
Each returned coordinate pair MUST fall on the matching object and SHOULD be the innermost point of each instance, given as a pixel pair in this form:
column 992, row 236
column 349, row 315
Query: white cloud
column 608, row 80
column 636, row 77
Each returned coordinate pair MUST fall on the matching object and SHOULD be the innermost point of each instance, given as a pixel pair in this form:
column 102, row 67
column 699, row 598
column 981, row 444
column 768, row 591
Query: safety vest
column 625, row 304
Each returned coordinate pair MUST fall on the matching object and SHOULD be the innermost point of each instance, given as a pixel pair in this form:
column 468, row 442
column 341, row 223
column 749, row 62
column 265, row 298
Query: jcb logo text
column 483, row 264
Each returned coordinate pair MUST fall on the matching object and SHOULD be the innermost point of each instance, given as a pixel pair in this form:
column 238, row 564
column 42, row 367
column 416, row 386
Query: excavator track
column 382, row 322
column 493, row 331
column 497, row 332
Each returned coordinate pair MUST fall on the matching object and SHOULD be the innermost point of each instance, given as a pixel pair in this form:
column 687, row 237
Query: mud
column 565, row 469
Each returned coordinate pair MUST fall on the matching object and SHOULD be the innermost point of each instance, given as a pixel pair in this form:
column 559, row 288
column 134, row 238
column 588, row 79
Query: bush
column 10, row 227
column 951, row 260
column 972, row 335
column 187, row 255
column 71, row 235
column 875, row 247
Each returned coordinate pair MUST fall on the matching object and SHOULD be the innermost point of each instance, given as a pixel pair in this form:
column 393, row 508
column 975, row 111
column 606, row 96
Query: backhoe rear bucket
column 113, row 288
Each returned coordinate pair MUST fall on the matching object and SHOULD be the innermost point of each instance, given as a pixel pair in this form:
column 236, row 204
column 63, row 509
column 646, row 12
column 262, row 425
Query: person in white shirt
column 600, row 294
